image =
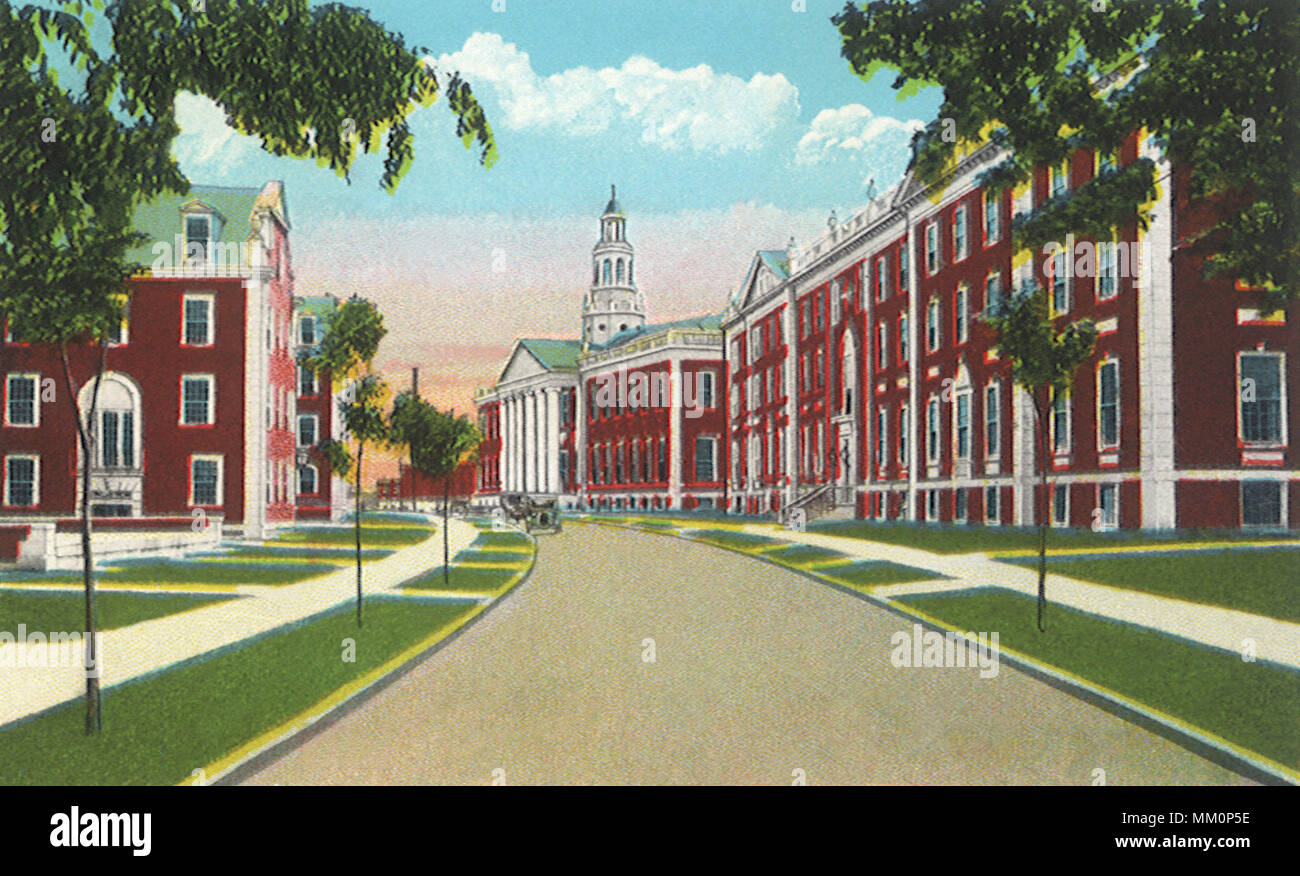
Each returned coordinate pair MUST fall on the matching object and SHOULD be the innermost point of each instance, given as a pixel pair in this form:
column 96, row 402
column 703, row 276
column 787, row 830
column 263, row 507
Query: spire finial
column 612, row 195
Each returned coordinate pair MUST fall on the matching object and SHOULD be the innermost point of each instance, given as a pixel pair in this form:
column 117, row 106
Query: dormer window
column 198, row 239
column 307, row 330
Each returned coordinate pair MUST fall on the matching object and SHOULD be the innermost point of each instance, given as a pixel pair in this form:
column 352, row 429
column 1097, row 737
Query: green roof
column 708, row 322
column 160, row 219
column 555, row 355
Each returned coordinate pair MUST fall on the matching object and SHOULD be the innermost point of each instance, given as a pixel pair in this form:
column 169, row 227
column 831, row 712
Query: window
column 564, row 469
column 932, row 247
column 198, row 320
column 1059, row 175
column 932, row 505
column 1060, row 284
column 902, row 268
column 1105, row 161
column 1060, row 422
column 992, row 419
column 117, row 439
column 932, row 431
column 1107, row 273
column 882, row 278
column 308, row 429
column 1108, row 404
column 197, row 391
column 882, row 436
column 306, row 480
column 1261, row 503
column 961, row 421
column 198, row 237
column 992, row 217
column 634, row 470
column 21, row 405
column 959, row 239
column 22, row 481
column 961, row 306
column 307, row 329
column 706, row 389
column 1107, row 514
column 993, row 291
column 118, row 335
column 662, row 468
column 705, row 448
column 205, row 480
column 307, row 385
column 608, row 270
column 991, row 504
column 882, row 346
column 932, row 337
column 1260, row 397
column 1061, row 505
column 902, row 339
column 903, row 426
column 959, row 505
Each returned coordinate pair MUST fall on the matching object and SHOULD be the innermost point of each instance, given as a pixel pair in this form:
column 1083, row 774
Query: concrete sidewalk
column 1273, row 640
column 149, row 646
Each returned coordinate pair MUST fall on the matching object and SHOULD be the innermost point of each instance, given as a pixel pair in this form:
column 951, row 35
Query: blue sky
column 728, row 126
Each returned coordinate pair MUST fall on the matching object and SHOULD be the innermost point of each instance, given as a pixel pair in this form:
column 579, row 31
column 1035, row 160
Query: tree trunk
column 94, row 710
column 446, row 568
column 356, row 521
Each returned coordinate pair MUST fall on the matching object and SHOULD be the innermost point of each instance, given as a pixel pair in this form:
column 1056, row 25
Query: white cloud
column 695, row 108
column 853, row 131
column 206, row 143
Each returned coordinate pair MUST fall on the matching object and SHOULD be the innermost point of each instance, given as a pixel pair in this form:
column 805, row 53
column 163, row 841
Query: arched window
column 608, row 270
column 595, row 274
column 306, row 480
column 619, row 271
column 629, row 272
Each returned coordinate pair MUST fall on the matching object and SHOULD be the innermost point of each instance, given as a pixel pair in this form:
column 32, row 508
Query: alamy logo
column 691, row 391
column 927, row 648
column 37, row 650
column 1105, row 259
column 77, row 829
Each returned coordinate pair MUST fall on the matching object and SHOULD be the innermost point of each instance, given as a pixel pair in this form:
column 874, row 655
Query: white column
column 508, row 445
column 515, row 432
column 553, row 484
column 530, row 443
column 675, row 378
column 543, row 436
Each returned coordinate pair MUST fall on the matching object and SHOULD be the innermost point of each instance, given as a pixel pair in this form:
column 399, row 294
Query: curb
column 273, row 744
column 1200, row 742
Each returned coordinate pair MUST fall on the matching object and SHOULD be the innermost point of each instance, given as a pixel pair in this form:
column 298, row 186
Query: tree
column 439, row 444
column 345, row 355
column 1213, row 81
column 1043, row 362
column 312, row 82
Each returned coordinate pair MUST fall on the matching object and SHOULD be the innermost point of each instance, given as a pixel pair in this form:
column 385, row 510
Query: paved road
column 758, row 673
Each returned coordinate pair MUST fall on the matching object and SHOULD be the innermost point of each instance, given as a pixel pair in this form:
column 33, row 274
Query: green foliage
column 439, row 442
column 1042, row 358
column 1045, row 79
column 350, row 342
column 363, row 412
column 337, row 455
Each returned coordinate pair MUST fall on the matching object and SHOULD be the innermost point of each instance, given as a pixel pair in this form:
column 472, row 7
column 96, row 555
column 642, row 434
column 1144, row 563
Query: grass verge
column 47, row 612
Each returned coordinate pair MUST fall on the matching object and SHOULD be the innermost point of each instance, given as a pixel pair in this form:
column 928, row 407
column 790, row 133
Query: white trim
column 36, row 399
column 220, row 460
column 208, row 298
column 36, row 479
column 1119, row 395
column 212, row 399
column 1282, row 440
column 315, row 418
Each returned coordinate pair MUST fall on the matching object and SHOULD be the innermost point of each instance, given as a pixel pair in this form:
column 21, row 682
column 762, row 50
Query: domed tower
column 613, row 304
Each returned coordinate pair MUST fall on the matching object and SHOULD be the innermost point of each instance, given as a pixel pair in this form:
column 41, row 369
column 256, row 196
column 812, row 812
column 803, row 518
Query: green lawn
column 341, row 555
column 802, row 555
column 183, row 572
column 390, row 535
column 955, row 539
column 1253, row 705
column 1257, row 581
column 469, row 555
column 500, row 539
column 865, row 574
column 463, row 580
column 49, row 612
column 159, row 730
column 731, row 539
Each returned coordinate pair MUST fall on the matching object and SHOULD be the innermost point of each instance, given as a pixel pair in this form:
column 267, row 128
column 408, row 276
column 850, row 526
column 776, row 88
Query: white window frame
column 315, row 382
column 211, row 301
column 904, row 412
column 904, row 349
column 958, row 397
column 212, row 399
column 220, row 460
column 315, row 474
column 1058, row 446
column 712, row 442
column 932, row 514
column 1062, row 259
column 960, row 503
column 315, row 420
column 1063, row 520
column 36, row 399
column 1282, row 440
column 995, row 506
column 1109, row 269
column 882, row 345
column 1104, row 523
column 961, row 313
column 993, row 417
column 960, row 233
column 933, row 328
column 303, row 319
column 881, row 456
column 933, row 433
column 1282, row 510
column 36, row 479
column 933, row 241
column 992, row 207
column 1119, row 404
